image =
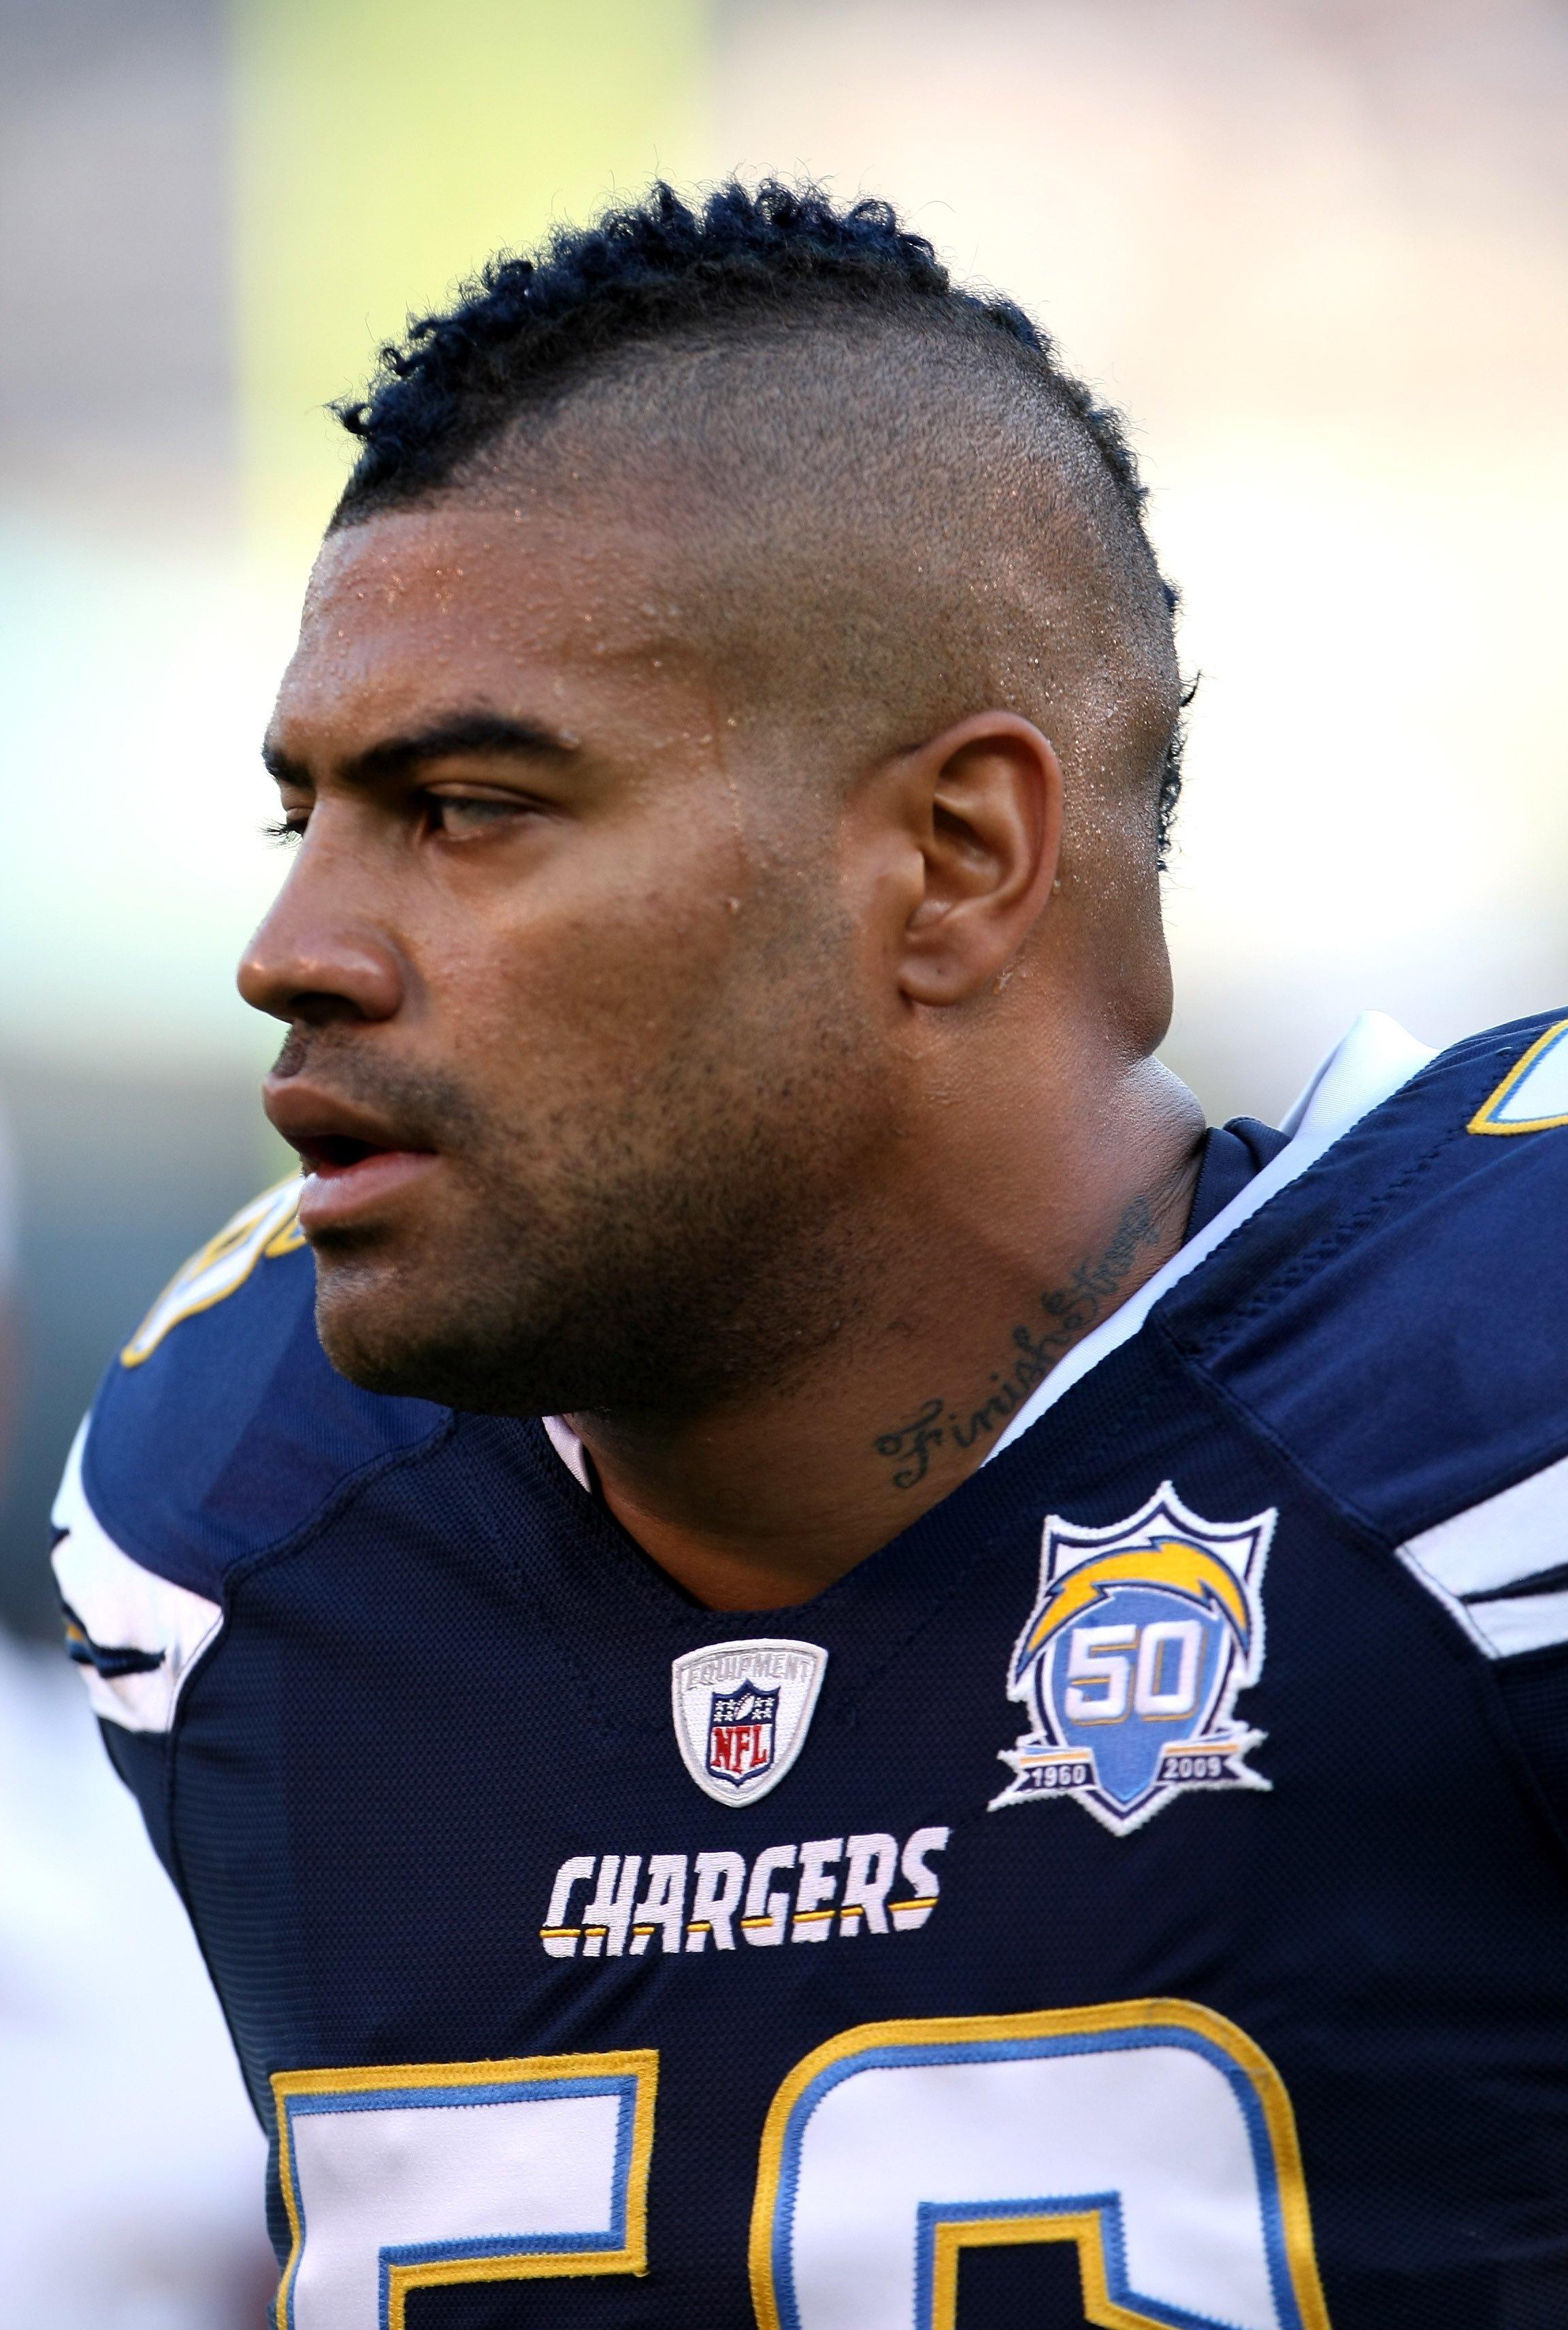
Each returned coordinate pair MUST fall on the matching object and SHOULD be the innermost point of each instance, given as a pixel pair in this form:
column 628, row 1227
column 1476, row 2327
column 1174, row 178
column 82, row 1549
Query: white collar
column 1370, row 1061
column 569, row 1449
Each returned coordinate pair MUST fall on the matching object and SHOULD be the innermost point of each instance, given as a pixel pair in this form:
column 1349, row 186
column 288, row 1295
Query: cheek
column 581, row 998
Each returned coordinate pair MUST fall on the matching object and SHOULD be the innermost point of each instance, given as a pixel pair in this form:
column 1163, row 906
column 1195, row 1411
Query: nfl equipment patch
column 742, row 1711
column 1139, row 1640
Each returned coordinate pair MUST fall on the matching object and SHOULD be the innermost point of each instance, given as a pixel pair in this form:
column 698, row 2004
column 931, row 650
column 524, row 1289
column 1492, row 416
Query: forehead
column 470, row 601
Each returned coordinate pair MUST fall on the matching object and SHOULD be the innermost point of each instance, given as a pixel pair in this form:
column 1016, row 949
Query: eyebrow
column 463, row 732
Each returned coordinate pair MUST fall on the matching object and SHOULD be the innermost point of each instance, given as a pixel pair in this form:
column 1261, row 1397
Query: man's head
column 729, row 634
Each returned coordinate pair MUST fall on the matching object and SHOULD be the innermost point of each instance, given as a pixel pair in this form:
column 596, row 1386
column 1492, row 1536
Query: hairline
column 1114, row 584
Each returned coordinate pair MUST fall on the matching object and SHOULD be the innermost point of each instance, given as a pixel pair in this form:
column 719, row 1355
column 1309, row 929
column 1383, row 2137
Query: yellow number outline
column 772, row 2208
column 541, row 2072
column 1084, row 2227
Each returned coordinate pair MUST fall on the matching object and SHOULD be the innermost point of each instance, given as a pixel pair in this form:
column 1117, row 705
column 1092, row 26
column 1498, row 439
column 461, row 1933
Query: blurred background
column 1317, row 249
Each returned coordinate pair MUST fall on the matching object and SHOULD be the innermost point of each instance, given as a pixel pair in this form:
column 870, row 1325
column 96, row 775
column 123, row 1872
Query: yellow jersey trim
column 1485, row 1117
column 1085, row 2227
column 268, row 1226
column 639, row 2064
column 1174, row 2014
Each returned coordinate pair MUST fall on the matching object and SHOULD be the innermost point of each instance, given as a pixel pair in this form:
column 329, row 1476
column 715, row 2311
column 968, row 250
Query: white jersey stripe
column 121, row 1608
column 1471, row 1561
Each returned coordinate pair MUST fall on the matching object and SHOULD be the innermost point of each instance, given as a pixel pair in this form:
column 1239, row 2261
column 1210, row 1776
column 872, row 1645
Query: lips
column 328, row 1130
column 355, row 1163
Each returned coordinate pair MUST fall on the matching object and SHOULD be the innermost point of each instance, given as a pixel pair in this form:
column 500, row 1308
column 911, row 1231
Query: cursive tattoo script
column 1069, row 1311
column 913, row 1441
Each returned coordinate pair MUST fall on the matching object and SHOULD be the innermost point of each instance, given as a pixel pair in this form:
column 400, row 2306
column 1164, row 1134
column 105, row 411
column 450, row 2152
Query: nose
column 317, row 956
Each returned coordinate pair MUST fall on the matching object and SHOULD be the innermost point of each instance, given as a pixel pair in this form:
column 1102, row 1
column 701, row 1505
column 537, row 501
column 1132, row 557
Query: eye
column 284, row 830
column 464, row 817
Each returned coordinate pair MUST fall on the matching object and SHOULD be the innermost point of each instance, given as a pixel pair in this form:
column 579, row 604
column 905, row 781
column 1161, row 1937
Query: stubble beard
column 672, row 1252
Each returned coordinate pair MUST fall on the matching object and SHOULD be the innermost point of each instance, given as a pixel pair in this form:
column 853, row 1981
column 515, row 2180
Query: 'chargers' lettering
column 789, row 1893
column 720, row 1882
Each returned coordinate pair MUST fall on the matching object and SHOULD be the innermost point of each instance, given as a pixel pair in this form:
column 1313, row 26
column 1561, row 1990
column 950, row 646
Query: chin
column 383, row 1338
column 370, row 1330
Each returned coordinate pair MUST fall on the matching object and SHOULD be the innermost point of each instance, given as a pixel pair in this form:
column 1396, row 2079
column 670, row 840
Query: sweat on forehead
column 870, row 532
column 884, row 503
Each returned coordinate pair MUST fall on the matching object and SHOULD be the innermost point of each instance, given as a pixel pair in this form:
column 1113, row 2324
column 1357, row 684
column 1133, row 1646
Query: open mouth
column 355, row 1163
column 336, row 1152
column 349, row 1179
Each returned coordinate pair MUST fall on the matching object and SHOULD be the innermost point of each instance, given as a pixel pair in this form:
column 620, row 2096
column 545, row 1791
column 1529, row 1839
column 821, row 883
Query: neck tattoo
column 1069, row 1311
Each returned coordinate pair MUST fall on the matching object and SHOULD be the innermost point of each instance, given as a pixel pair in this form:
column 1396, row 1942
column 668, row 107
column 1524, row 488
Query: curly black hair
column 531, row 329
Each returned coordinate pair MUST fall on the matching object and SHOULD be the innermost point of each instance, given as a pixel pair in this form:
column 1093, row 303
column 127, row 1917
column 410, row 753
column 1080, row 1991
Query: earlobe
column 988, row 796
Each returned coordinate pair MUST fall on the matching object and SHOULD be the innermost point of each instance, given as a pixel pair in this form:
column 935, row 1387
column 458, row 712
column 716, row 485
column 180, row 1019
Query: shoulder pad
column 1399, row 1315
column 224, row 1429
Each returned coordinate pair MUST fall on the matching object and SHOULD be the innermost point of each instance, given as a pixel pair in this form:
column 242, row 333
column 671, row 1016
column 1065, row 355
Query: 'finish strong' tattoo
column 1069, row 1311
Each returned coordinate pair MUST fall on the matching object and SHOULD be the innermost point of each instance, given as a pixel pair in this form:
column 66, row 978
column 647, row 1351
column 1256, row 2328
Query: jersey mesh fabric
column 453, row 1673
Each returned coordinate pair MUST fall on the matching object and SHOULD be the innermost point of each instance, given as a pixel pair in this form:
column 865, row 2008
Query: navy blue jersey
column 1136, row 1895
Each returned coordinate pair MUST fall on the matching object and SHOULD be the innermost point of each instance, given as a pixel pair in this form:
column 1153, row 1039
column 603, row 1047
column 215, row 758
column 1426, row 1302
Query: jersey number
column 1154, row 2136
column 415, row 2174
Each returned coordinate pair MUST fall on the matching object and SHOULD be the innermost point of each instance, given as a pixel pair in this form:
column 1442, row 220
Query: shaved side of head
column 877, row 527
column 888, row 504
column 870, row 528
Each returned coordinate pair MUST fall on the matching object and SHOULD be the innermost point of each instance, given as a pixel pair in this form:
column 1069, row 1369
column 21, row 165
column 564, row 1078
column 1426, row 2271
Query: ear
column 983, row 802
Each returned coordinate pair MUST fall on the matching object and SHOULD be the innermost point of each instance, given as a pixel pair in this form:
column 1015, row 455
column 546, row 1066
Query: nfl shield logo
column 740, row 1732
column 1139, row 1640
column 742, row 1710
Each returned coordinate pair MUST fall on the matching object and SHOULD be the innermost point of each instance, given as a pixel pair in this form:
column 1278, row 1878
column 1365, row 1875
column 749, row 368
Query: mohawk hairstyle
column 530, row 329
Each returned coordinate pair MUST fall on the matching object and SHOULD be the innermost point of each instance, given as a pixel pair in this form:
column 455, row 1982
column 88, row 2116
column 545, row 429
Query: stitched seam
column 283, row 1549
column 1486, row 1047
column 353, row 1485
column 1322, row 1249
column 660, row 1594
column 527, row 1592
column 1341, row 1510
column 343, row 1495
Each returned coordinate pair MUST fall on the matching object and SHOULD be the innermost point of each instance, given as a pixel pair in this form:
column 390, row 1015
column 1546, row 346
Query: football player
column 805, row 1659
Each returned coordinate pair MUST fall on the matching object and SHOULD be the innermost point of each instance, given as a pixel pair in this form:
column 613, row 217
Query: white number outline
column 634, row 2074
column 1084, row 2219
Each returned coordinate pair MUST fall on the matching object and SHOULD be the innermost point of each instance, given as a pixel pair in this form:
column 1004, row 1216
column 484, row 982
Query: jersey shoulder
column 221, row 1431
column 1398, row 1316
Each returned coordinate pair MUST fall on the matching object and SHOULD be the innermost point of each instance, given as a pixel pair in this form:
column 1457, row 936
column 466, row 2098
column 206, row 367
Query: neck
column 764, row 1503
